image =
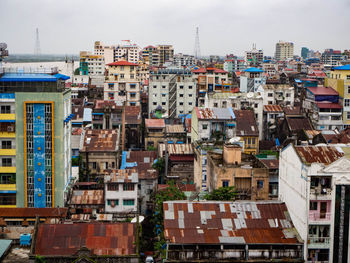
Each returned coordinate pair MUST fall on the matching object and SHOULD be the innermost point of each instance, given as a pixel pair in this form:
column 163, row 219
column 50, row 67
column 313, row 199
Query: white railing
column 26, row 70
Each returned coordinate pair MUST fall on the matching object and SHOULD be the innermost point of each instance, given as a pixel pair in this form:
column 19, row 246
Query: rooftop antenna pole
column 197, row 50
column 37, row 50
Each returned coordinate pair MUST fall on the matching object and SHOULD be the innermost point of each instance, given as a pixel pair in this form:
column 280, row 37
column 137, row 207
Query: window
column 154, row 86
column 163, row 87
column 204, row 126
column 122, row 68
column 190, row 87
column 255, row 105
column 313, row 205
column 106, row 165
column 215, row 105
column 348, row 115
column 121, row 76
column 270, row 94
column 348, row 89
column 181, row 103
column 128, row 187
column 113, row 203
column 6, row 162
column 132, row 95
column 154, row 103
column 128, row 202
column 346, row 102
column 6, row 145
column 94, row 165
column 225, row 183
column 348, row 77
column 163, row 94
column 181, row 87
column 260, row 184
column 287, row 95
column 5, row 109
column 181, row 95
column 190, row 103
column 189, row 95
column 131, row 76
column 163, row 103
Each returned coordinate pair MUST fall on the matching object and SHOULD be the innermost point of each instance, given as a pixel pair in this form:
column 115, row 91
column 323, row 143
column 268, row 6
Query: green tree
column 222, row 194
column 159, row 166
column 168, row 194
column 77, row 71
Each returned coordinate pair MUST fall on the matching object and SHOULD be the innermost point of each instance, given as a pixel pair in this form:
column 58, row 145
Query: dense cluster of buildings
column 83, row 158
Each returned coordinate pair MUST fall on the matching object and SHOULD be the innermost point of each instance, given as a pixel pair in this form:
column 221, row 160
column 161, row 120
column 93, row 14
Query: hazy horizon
column 67, row 27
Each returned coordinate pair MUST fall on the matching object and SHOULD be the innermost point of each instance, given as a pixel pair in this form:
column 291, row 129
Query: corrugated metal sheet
column 101, row 141
column 298, row 123
column 87, row 197
column 155, row 123
column 318, row 154
column 176, row 149
column 32, row 212
column 273, row 108
column 227, row 222
column 246, row 123
column 176, row 128
column 215, row 113
column 121, row 176
column 100, row 238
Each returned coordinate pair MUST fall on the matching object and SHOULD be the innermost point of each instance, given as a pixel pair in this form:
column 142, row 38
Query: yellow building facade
column 339, row 79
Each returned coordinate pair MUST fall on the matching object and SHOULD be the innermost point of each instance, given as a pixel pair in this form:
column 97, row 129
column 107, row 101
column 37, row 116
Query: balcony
column 320, row 193
column 318, row 242
column 8, row 187
column 5, row 134
column 8, row 152
column 8, row 169
column 319, row 217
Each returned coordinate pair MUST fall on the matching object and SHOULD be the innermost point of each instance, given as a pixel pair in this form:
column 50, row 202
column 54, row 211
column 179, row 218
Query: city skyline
column 224, row 27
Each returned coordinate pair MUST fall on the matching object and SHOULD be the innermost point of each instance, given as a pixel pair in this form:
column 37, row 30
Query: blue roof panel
column 27, row 77
column 253, row 70
column 61, row 76
column 345, row 67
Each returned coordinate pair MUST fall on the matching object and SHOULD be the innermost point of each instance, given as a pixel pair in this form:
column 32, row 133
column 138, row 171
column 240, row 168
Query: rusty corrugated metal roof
column 144, row 160
column 155, row 123
column 246, row 123
column 177, row 149
column 298, row 123
column 273, row 108
column 121, row 176
column 87, row 197
column 33, row 212
column 213, row 222
column 318, row 154
column 270, row 164
column 100, row 238
column 101, row 141
column 175, row 128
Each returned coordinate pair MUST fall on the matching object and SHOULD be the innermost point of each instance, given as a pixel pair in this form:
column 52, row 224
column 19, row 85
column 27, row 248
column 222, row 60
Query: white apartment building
column 279, row 94
column 121, row 191
column 254, row 57
column 239, row 101
column 129, row 52
column 284, row 50
column 174, row 90
column 91, row 64
column 314, row 182
column 182, row 60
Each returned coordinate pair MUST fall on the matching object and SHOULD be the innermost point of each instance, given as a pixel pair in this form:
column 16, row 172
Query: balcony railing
column 317, row 216
column 319, row 241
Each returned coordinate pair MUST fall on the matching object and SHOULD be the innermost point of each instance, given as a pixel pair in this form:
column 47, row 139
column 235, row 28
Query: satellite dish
column 134, row 220
column 250, row 95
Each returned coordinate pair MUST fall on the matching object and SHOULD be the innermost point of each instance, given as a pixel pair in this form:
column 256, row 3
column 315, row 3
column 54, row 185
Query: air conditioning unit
column 10, row 128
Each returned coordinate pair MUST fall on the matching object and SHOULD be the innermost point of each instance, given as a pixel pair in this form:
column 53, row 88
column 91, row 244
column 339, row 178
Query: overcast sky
column 225, row 26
